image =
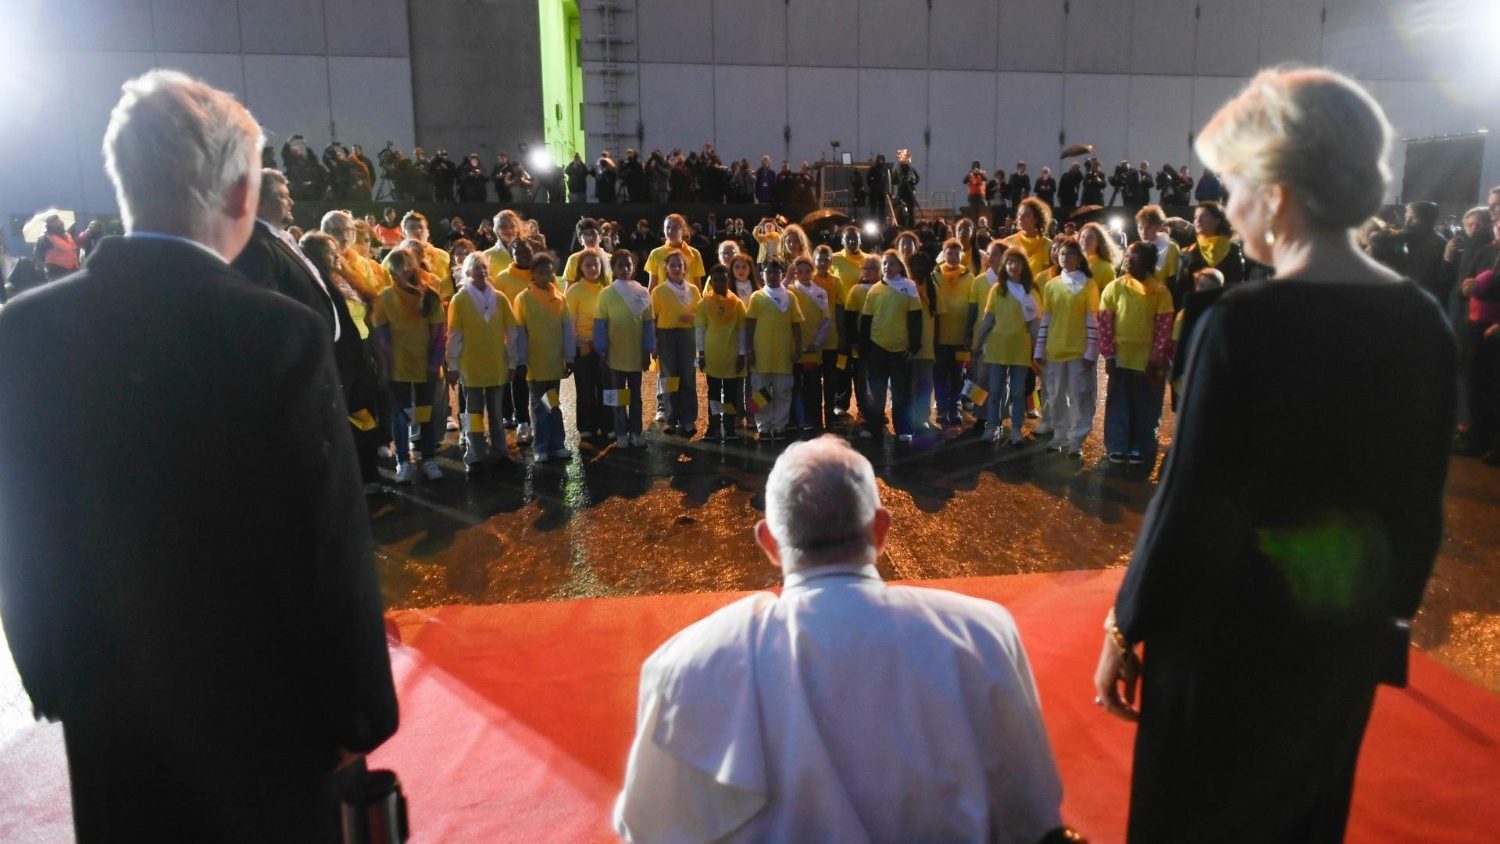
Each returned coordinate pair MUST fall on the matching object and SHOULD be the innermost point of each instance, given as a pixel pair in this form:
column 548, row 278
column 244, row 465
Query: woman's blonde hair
column 1314, row 131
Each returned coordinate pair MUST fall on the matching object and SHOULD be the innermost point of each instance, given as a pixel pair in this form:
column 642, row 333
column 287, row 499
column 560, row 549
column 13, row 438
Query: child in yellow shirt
column 1135, row 329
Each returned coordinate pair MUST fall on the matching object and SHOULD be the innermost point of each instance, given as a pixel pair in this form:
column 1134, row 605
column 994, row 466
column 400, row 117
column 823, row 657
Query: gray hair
column 173, row 146
column 475, row 257
column 336, row 220
column 820, row 501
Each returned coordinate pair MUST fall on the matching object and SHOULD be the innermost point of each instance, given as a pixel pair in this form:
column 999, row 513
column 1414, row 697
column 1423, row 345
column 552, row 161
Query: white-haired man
column 844, row 709
column 205, row 621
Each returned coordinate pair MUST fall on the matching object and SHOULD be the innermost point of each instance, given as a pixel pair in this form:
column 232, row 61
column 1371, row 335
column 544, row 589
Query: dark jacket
column 1017, row 188
column 206, row 622
column 1067, row 188
column 1274, row 562
column 270, row 263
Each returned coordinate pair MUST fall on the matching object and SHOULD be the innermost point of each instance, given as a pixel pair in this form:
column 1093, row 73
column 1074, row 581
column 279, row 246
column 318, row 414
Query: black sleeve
column 913, row 331
column 850, row 334
column 1195, row 517
column 864, row 329
column 257, row 263
column 341, row 604
column 1233, row 266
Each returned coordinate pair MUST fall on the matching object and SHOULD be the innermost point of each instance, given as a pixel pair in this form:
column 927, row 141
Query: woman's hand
column 1117, row 679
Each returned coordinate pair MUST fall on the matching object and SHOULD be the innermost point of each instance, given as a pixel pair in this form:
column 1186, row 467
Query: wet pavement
column 677, row 515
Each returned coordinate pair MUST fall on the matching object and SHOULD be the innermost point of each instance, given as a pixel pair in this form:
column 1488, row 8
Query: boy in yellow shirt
column 808, row 376
column 1135, row 329
column 955, row 286
column 720, row 334
column 1067, row 347
column 581, row 300
column 546, row 345
column 774, row 326
column 481, row 355
column 409, row 330
column 890, row 327
column 624, row 337
column 674, row 307
column 511, row 281
column 854, row 350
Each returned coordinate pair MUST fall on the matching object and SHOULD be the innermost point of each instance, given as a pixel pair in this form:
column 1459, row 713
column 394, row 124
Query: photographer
column 471, row 180
column 1138, row 186
column 1018, row 187
column 974, row 185
column 444, row 175
column 305, row 176
column 1119, row 182
column 1069, row 185
column 1094, row 183
column 1171, row 188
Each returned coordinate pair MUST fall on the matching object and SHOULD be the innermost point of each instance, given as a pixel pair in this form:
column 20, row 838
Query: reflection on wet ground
column 676, row 516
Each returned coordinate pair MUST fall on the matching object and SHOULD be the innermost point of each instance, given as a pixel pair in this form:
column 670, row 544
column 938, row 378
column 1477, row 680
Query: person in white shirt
column 845, row 709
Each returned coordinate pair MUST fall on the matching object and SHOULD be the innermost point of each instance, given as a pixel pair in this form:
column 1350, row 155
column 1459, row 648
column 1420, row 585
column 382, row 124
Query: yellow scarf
column 722, row 310
column 1213, row 249
column 1038, row 250
column 549, row 297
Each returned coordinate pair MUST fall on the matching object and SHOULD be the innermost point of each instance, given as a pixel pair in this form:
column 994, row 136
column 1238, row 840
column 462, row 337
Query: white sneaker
column 540, row 456
column 523, row 432
column 661, row 417
column 452, row 424
column 562, row 454
column 405, row 473
column 905, row 438
column 384, row 452
column 432, row 470
column 992, row 435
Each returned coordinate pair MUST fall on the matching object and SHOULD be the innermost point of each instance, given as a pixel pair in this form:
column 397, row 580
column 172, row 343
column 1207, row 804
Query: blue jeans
column 1006, row 383
column 1132, row 409
column 547, row 424
column 884, row 368
column 627, row 419
column 948, row 379
column 677, row 355
column 411, row 406
column 921, row 393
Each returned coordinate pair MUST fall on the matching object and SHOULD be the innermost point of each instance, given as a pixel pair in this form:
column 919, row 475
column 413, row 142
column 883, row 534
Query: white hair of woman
column 174, row 149
column 475, row 257
column 821, row 504
column 339, row 224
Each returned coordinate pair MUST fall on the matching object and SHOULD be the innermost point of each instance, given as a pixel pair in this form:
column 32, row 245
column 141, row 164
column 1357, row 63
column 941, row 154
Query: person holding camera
column 444, row 175
column 1093, row 184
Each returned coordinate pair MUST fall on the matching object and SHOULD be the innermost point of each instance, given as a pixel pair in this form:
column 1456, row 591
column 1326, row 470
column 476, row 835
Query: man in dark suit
column 206, row 624
column 272, row 260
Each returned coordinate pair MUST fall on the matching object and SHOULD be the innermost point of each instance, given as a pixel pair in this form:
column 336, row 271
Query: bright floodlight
column 540, row 160
column 872, row 228
column 1117, row 224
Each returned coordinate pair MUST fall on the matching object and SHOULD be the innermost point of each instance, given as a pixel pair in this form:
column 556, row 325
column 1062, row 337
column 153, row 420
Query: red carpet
column 516, row 718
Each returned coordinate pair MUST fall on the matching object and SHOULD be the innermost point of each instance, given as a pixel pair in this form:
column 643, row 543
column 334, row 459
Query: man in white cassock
column 845, row 709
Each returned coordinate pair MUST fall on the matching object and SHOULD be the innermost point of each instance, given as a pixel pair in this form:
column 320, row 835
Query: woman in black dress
column 1278, row 566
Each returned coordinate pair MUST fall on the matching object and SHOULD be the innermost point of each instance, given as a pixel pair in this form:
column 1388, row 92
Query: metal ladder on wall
column 615, row 97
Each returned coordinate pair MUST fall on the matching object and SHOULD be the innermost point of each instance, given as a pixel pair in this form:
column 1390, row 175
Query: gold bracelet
column 1115, row 636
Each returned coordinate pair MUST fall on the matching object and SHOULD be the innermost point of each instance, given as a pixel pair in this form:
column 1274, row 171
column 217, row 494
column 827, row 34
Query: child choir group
column 786, row 339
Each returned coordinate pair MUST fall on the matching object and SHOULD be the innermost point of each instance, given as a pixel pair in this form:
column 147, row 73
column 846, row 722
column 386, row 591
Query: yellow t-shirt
column 500, row 259
column 848, row 269
column 511, row 281
column 773, row 332
column 1102, row 272
column 1038, row 250
column 928, row 351
column 854, row 298
column 813, row 316
column 544, row 317
column 834, row 287
column 1135, row 306
column 656, row 264
column 954, row 287
column 441, row 285
column 722, row 319
column 411, row 334
column 581, row 299
column 626, row 330
column 887, row 308
column 572, row 273
column 669, row 311
column 482, row 362
column 770, row 244
column 979, row 292
column 1168, row 269
column 1009, row 342
column 440, row 263
column 1067, row 318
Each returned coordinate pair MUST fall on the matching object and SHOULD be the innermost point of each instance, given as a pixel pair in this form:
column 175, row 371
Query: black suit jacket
column 269, row 262
column 188, row 583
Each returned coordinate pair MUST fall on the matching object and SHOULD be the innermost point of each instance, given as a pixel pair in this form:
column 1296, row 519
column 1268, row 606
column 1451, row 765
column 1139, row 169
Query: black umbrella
column 1078, row 149
column 824, row 218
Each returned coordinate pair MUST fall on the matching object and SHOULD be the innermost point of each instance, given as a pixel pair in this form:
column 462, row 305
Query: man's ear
column 880, row 527
column 767, row 543
column 243, row 196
